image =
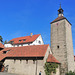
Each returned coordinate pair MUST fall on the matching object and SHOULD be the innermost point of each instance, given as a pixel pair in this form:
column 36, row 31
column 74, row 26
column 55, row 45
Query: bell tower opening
column 60, row 11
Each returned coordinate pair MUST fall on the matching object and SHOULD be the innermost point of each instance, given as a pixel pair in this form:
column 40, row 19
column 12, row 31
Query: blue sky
column 22, row 17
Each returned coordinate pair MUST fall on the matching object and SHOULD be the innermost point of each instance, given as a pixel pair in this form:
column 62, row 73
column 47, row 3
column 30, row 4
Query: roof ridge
column 24, row 36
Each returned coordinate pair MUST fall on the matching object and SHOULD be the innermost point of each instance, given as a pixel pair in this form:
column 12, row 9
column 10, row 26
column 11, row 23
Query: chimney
column 31, row 34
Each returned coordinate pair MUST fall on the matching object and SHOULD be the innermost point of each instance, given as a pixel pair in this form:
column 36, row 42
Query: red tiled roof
column 27, row 39
column 25, row 51
column 51, row 58
column 1, row 45
column 59, row 18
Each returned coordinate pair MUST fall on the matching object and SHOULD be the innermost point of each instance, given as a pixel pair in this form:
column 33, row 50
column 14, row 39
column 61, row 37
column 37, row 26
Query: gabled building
column 26, row 59
column 26, row 55
column 25, row 41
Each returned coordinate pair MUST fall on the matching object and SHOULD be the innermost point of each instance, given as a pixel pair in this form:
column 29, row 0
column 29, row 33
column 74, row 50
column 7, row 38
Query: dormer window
column 11, row 42
column 19, row 40
column 4, row 52
column 24, row 40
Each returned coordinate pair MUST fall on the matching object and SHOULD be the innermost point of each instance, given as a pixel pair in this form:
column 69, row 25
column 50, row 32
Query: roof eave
column 59, row 20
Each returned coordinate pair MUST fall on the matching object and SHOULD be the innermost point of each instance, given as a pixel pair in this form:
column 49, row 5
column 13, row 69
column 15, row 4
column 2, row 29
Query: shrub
column 70, row 73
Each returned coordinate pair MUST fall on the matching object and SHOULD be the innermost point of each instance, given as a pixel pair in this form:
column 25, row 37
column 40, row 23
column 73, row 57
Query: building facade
column 25, row 41
column 61, row 42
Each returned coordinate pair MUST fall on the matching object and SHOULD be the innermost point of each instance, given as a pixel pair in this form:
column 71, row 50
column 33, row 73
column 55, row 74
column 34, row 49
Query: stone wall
column 61, row 44
column 69, row 46
column 22, row 67
column 33, row 67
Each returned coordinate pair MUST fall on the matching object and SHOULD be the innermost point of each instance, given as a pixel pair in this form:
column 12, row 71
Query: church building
column 27, row 55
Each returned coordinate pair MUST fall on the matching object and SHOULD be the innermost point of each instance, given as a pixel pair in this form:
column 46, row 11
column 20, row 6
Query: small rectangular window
column 57, row 47
column 24, row 40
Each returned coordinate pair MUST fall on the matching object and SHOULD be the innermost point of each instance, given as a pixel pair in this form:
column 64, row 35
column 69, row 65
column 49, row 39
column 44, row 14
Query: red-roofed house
column 26, row 40
column 26, row 60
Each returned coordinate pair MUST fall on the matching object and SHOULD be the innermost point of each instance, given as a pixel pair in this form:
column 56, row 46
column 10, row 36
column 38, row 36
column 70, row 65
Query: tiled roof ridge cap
column 24, row 36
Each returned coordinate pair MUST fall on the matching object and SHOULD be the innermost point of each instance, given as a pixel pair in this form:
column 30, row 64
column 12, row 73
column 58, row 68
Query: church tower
column 61, row 42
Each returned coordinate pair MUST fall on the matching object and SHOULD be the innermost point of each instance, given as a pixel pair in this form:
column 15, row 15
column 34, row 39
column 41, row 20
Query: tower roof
column 58, row 19
column 60, row 15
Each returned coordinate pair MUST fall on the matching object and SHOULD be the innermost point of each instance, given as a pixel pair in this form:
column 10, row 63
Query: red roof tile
column 59, row 18
column 1, row 45
column 27, row 39
column 51, row 58
column 25, row 51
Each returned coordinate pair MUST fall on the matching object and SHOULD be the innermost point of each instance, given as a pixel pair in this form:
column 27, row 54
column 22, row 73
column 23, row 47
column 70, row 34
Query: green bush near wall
column 50, row 67
column 70, row 73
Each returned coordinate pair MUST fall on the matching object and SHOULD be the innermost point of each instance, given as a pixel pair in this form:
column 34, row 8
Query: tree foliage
column 50, row 67
column 1, row 39
column 70, row 73
column 5, row 42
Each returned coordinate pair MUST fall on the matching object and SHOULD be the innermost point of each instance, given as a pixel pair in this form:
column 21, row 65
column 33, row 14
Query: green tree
column 70, row 73
column 1, row 39
column 5, row 42
column 50, row 68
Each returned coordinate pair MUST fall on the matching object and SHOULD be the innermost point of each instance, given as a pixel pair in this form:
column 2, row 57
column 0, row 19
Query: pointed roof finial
column 60, row 5
column 60, row 11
